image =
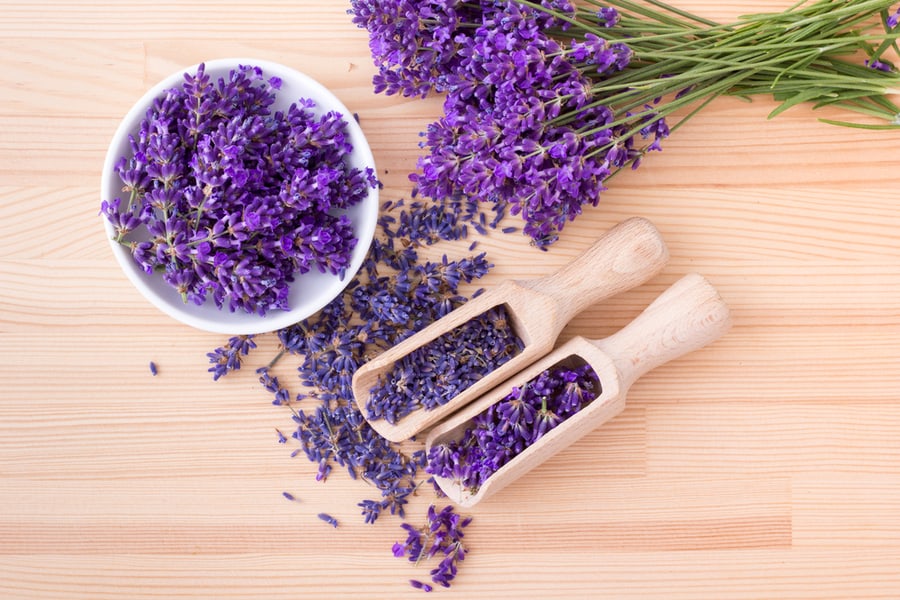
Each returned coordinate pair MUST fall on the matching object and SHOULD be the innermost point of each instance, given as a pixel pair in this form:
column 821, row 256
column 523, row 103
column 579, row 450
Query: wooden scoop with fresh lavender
column 464, row 354
column 567, row 394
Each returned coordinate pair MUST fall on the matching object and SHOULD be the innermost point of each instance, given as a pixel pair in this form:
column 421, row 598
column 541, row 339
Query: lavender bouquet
column 545, row 101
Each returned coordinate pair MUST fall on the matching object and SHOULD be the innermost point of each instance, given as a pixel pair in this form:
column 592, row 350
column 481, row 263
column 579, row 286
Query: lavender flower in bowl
column 239, row 196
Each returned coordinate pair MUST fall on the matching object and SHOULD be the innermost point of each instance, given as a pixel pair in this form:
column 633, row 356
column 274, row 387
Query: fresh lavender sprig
column 505, row 79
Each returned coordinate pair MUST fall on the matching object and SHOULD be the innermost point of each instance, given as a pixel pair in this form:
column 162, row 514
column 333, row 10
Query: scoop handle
column 624, row 257
column 686, row 317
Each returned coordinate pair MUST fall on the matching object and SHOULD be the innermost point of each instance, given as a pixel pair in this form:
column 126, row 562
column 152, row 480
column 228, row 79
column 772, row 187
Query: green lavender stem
column 808, row 53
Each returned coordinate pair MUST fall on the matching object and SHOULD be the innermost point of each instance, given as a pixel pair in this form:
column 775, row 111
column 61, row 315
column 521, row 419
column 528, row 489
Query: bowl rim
column 223, row 320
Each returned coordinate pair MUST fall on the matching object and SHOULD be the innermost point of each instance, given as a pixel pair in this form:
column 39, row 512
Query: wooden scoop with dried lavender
column 464, row 354
column 567, row 394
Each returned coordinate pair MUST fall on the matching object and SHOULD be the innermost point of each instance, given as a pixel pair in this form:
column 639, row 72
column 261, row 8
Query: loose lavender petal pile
column 230, row 199
column 506, row 428
column 395, row 294
column 430, row 376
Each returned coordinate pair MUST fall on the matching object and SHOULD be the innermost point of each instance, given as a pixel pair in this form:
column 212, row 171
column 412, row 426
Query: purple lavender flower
column 328, row 519
column 608, row 16
column 229, row 357
column 522, row 417
column 440, row 536
column 414, row 41
column 893, row 19
column 578, row 388
column 420, row 585
column 123, row 222
column 545, row 420
column 236, row 198
column 272, row 385
column 516, row 415
column 879, row 65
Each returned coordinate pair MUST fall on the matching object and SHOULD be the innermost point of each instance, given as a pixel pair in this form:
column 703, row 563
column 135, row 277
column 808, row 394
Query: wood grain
column 766, row 465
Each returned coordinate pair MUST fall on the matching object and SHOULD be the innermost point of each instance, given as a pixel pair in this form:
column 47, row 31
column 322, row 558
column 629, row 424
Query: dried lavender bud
column 433, row 374
column 371, row 510
column 328, row 519
column 505, row 429
column 420, row 585
column 228, row 357
column 234, row 199
column 153, row 369
column 271, row 384
column 441, row 536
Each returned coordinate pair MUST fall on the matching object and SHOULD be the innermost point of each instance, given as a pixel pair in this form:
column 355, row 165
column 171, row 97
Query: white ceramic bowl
column 309, row 292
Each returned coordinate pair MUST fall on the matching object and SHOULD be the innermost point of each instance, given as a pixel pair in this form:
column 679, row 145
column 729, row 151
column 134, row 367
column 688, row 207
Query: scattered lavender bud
column 371, row 510
column 440, row 537
column 271, row 384
column 289, row 496
column 893, row 19
column 328, row 519
column 505, row 429
column 420, row 586
column 153, row 369
column 228, row 357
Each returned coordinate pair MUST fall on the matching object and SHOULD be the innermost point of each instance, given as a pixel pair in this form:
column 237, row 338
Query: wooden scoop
column 686, row 317
column 624, row 257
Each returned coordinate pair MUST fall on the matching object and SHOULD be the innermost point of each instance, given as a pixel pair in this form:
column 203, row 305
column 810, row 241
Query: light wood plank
column 733, row 575
column 774, row 438
column 764, row 466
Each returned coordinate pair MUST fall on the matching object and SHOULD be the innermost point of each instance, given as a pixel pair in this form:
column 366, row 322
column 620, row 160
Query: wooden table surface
column 764, row 466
